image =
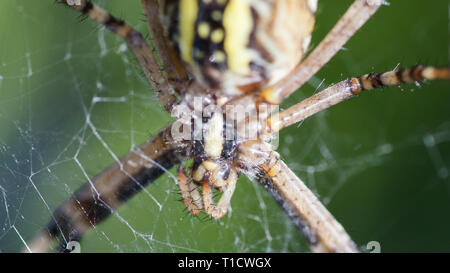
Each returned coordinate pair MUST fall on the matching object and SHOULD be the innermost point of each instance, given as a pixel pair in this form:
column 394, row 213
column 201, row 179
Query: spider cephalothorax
column 213, row 167
column 216, row 133
column 231, row 47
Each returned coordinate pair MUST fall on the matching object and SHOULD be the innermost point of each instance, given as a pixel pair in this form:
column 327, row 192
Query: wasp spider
column 221, row 55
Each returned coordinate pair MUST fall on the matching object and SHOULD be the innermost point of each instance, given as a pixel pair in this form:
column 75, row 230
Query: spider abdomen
column 235, row 46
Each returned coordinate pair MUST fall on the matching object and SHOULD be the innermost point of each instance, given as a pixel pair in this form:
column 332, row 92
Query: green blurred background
column 380, row 162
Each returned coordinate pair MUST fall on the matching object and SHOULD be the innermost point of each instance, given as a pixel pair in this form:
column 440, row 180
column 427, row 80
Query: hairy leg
column 354, row 18
column 103, row 194
column 322, row 231
column 351, row 88
column 219, row 210
column 175, row 72
column 137, row 45
column 189, row 192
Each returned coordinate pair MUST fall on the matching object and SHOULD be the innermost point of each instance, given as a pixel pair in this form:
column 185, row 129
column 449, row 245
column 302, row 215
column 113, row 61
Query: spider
column 234, row 75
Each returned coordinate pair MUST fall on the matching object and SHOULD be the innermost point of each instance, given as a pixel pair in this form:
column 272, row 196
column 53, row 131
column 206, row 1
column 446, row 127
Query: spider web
column 73, row 100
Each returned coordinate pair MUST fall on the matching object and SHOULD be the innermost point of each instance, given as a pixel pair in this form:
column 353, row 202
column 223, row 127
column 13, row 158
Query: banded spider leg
column 350, row 88
column 136, row 43
column 322, row 230
column 107, row 191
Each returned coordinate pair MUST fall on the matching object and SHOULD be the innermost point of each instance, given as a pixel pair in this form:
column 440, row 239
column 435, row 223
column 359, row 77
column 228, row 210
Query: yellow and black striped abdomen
column 234, row 46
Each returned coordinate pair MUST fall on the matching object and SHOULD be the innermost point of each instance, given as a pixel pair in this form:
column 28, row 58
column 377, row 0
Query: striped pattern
column 322, row 231
column 101, row 16
column 408, row 75
column 351, row 88
column 115, row 186
column 235, row 46
column 137, row 44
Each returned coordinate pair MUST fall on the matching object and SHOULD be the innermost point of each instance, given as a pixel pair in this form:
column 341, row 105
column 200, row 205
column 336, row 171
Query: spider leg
column 351, row 88
column 137, row 44
column 189, row 192
column 106, row 192
column 353, row 19
column 176, row 74
column 322, row 231
column 219, row 210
